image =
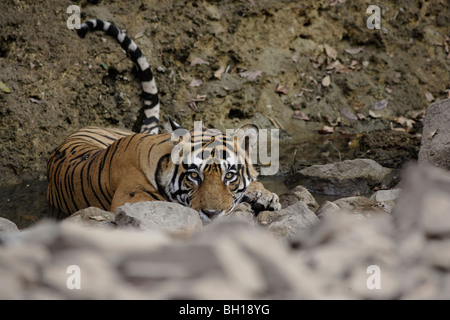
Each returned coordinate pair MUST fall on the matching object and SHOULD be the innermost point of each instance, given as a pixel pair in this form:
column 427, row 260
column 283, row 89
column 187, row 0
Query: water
column 26, row 203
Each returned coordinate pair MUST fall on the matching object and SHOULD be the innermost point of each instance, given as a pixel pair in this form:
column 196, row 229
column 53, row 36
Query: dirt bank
column 226, row 63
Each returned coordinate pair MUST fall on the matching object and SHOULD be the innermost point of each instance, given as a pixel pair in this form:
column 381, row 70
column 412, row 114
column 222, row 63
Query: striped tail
column 150, row 92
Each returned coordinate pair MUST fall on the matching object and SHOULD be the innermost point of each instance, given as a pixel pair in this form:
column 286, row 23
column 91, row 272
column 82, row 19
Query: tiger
column 203, row 169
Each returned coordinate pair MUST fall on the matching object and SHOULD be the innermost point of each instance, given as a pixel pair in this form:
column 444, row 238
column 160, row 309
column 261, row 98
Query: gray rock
column 7, row 226
column 327, row 208
column 360, row 205
column 435, row 146
column 162, row 215
column 299, row 193
column 94, row 217
column 386, row 199
column 386, row 195
column 288, row 221
column 345, row 178
column 244, row 210
column 424, row 202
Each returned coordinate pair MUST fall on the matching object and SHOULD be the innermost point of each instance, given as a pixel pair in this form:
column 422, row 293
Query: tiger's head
column 208, row 170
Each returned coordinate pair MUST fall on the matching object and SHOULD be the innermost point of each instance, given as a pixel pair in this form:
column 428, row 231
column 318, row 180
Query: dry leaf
column 353, row 64
column 348, row 114
column 329, row 120
column 300, row 115
column 196, row 83
column 388, row 90
column 281, row 89
column 4, row 87
column 405, row 121
column 380, row 105
column 337, row 67
column 330, row 51
column 429, row 96
column 374, row 115
column 432, row 134
column 294, row 58
column 218, row 73
column 250, row 75
column 38, row 101
column 354, row 51
column 326, row 130
column 197, row 61
column 361, row 116
column 326, row 81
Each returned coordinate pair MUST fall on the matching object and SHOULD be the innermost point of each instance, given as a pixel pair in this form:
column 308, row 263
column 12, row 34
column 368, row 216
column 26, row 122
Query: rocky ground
column 350, row 104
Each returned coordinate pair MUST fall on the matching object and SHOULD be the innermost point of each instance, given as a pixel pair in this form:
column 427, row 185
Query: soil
column 272, row 58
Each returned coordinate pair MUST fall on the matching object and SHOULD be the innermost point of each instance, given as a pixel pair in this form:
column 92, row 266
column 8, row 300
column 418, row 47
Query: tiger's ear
column 177, row 132
column 247, row 137
column 174, row 125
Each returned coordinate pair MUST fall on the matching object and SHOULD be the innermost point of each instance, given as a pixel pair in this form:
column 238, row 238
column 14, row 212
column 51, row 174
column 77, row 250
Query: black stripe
column 113, row 31
column 150, row 120
column 82, row 186
column 89, row 175
column 153, row 98
column 125, row 43
column 153, row 195
column 100, row 25
column 145, row 75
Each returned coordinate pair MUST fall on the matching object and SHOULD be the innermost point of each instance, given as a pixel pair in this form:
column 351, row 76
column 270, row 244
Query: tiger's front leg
column 260, row 198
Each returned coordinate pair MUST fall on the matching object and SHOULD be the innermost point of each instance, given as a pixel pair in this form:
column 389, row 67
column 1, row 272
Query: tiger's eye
column 230, row 175
column 193, row 175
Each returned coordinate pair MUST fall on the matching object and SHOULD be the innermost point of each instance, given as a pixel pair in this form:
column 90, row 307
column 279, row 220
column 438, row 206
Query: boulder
column 7, row 226
column 360, row 205
column 288, row 221
column 162, row 215
column 93, row 217
column 386, row 199
column 435, row 146
column 424, row 201
column 345, row 178
column 299, row 193
column 327, row 208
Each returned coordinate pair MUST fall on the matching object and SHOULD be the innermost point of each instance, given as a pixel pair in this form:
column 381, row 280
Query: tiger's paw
column 260, row 198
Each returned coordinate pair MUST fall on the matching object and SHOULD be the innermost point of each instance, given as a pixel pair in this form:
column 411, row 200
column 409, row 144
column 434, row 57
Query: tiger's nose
column 211, row 213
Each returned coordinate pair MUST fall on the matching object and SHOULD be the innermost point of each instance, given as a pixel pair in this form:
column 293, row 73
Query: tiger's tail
column 149, row 90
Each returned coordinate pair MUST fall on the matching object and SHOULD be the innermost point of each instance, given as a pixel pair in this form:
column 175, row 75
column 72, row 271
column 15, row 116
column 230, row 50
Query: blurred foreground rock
column 285, row 254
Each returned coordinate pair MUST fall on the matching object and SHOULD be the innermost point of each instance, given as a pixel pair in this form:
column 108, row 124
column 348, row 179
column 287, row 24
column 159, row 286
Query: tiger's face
column 211, row 171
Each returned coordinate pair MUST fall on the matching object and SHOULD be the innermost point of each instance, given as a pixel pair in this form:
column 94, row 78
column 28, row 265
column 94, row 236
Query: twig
column 340, row 159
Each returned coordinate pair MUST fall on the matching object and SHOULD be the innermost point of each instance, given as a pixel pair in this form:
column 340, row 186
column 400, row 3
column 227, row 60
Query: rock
column 435, row 147
column 7, row 226
column 344, row 178
column 386, row 195
column 244, row 210
column 360, row 205
column 162, row 215
column 288, row 221
column 299, row 193
column 424, row 203
column 327, row 208
column 94, row 217
column 386, row 199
